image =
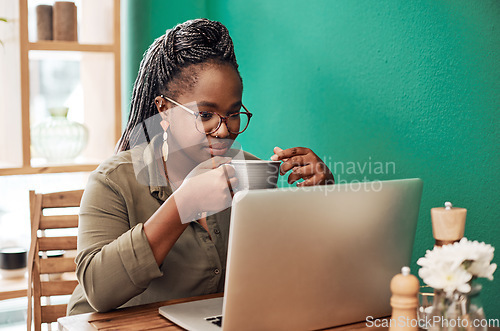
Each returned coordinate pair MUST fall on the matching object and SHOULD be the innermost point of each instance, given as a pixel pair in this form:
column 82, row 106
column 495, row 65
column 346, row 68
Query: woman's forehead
column 215, row 84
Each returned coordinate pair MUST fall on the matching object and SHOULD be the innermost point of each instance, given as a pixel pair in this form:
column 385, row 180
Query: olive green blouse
column 115, row 264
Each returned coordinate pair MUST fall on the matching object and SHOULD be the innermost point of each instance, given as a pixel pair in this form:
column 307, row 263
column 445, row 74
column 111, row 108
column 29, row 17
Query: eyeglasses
column 208, row 122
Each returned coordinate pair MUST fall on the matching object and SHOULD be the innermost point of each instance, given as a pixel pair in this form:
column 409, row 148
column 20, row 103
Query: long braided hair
column 165, row 66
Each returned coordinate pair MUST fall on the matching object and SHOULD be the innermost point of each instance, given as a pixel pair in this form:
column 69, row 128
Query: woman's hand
column 305, row 164
column 207, row 188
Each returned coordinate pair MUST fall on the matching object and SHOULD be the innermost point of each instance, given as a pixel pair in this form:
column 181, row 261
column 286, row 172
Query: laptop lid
column 316, row 257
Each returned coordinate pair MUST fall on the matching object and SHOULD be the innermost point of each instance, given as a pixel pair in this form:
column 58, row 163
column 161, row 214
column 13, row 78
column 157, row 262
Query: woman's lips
column 218, row 146
column 217, row 150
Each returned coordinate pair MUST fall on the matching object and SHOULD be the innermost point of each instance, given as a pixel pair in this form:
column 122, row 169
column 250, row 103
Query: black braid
column 167, row 68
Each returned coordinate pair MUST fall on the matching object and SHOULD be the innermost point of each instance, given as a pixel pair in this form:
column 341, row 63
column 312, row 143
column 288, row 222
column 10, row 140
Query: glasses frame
column 221, row 118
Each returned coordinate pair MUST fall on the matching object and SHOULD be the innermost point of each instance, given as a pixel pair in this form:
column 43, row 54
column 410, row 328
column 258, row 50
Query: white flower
column 482, row 269
column 442, row 269
column 477, row 256
column 452, row 267
column 446, row 276
column 474, row 250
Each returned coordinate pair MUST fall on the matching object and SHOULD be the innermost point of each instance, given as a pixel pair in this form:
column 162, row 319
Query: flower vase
column 57, row 139
column 458, row 311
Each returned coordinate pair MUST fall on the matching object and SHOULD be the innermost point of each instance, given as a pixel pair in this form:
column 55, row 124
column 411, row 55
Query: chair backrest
column 51, row 274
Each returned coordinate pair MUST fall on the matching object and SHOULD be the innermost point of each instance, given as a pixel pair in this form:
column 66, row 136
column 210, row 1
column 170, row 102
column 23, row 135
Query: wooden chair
column 45, row 280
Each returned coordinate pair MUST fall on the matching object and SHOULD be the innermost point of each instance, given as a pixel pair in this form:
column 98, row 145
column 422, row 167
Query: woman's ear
column 161, row 104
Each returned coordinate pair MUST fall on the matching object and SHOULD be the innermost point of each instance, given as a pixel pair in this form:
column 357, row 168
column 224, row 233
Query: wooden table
column 13, row 288
column 18, row 287
column 145, row 317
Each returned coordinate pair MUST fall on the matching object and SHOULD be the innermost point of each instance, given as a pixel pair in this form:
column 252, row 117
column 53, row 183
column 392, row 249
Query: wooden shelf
column 68, row 46
column 47, row 169
column 98, row 55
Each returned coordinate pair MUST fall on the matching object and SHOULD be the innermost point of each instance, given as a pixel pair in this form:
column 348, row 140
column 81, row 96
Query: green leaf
column 3, row 20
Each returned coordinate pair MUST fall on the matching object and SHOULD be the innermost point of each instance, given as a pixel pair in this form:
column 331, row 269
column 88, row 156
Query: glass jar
column 57, row 139
column 460, row 311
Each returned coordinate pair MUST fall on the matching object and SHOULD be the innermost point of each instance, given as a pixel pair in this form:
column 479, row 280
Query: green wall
column 142, row 22
column 412, row 85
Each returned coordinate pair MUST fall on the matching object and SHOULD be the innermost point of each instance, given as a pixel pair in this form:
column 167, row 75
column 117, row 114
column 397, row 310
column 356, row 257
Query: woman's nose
column 222, row 131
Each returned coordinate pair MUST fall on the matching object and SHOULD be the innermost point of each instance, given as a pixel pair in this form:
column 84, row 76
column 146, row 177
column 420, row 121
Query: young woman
column 154, row 218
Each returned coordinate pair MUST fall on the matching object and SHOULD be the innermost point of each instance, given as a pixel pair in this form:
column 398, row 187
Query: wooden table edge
column 11, row 288
column 65, row 323
column 84, row 321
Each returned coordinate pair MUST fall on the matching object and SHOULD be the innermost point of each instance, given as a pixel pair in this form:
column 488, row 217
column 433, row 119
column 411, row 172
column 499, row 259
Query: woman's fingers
column 214, row 162
column 228, row 170
column 229, row 173
column 292, row 157
column 208, row 165
column 282, row 154
column 277, row 149
column 301, row 173
column 234, row 183
column 296, row 161
column 311, row 181
column 305, row 164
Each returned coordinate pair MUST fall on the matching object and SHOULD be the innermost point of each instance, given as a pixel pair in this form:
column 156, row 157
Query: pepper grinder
column 404, row 301
column 448, row 224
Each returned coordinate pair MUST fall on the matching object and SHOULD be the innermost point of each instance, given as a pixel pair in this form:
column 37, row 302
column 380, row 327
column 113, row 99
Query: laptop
column 310, row 258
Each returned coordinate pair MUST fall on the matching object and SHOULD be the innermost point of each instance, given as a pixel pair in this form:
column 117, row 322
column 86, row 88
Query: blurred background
column 378, row 89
